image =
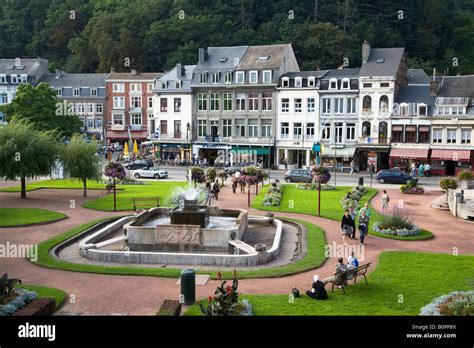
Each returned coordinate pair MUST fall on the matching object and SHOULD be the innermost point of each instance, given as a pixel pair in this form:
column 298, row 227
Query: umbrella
column 135, row 148
column 125, row 149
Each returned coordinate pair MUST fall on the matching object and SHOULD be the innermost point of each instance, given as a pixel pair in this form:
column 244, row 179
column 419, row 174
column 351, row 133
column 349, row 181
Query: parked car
column 298, row 175
column 393, row 176
column 139, row 164
column 153, row 172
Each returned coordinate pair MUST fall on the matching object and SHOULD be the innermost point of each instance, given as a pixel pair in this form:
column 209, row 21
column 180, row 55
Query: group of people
column 236, row 182
column 420, row 170
column 212, row 191
column 348, row 224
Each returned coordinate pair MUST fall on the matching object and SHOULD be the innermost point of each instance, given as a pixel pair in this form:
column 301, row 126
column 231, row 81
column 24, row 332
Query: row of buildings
column 253, row 104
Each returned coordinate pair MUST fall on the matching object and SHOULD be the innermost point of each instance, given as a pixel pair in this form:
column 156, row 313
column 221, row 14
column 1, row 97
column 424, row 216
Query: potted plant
column 447, row 184
column 466, row 179
column 412, row 187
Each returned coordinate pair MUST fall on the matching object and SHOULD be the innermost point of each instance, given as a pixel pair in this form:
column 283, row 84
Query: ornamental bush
column 211, row 174
column 466, row 175
column 115, row 170
column 398, row 222
column 198, row 175
column 448, row 184
column 21, row 298
column 320, row 174
column 457, row 303
column 273, row 196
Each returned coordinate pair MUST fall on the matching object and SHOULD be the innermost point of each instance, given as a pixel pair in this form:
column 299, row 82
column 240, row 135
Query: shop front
column 378, row 156
column 338, row 158
column 174, row 152
column 403, row 158
column 251, row 155
column 212, row 154
column 451, row 162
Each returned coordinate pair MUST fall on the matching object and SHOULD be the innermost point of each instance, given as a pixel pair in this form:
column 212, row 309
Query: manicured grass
column 316, row 242
column 301, row 201
column 402, row 283
column 58, row 295
column 10, row 217
column 55, row 184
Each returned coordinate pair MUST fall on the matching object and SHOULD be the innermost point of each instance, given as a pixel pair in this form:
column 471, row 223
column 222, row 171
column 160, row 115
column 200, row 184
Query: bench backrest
column 156, row 199
column 357, row 271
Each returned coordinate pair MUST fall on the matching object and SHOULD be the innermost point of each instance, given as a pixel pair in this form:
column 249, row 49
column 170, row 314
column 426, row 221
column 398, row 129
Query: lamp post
column 269, row 155
column 188, row 129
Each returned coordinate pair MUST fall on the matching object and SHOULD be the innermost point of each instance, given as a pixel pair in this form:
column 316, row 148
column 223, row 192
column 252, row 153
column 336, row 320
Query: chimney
column 133, row 72
column 365, row 52
column 179, row 70
column 57, row 73
column 434, row 88
column 202, row 55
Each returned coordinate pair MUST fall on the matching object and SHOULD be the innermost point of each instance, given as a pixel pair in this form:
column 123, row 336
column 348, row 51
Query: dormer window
column 285, row 82
column 203, row 78
column 333, row 84
column 76, row 92
column 404, row 109
column 345, row 84
column 263, row 58
column 298, row 82
column 14, row 78
column 254, row 77
column 178, row 84
column 311, row 81
column 59, row 92
column 228, row 78
column 24, row 78
column 163, row 85
column 267, row 76
column 240, row 77
column 3, row 78
column 94, row 92
column 215, row 78
column 422, row 110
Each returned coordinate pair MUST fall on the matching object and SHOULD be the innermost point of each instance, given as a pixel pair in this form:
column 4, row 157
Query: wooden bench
column 150, row 202
column 355, row 272
column 108, row 188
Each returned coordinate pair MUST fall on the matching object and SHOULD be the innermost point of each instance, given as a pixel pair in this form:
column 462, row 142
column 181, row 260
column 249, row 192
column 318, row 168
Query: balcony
column 373, row 141
column 137, row 127
column 135, row 110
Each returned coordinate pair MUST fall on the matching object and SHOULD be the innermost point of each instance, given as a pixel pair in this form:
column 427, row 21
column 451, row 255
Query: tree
column 40, row 107
column 26, row 152
column 81, row 161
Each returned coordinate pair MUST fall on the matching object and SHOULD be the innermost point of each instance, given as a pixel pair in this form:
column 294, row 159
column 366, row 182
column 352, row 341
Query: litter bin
column 361, row 181
column 188, row 286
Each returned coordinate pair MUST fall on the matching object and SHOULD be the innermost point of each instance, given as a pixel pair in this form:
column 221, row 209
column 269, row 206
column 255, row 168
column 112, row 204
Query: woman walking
column 347, row 227
column 234, row 183
column 363, row 225
column 385, row 201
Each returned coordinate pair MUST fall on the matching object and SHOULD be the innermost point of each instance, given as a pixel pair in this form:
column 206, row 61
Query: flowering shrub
column 412, row 187
column 457, row 303
column 314, row 186
column 20, row 299
column 197, row 175
column 320, row 174
column 273, row 196
column 211, row 174
column 351, row 199
column 222, row 175
column 115, row 170
column 261, row 175
column 398, row 222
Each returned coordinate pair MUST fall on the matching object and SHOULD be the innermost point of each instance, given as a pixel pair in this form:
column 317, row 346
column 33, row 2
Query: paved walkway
column 133, row 295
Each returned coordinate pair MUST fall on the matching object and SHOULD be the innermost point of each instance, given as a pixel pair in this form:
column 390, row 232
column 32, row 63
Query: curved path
column 135, row 295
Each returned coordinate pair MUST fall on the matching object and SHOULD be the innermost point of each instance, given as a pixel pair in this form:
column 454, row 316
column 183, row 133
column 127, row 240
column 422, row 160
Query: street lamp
column 188, row 141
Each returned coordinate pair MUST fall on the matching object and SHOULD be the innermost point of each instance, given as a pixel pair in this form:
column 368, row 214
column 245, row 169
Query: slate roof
column 415, row 94
column 228, row 55
column 29, row 66
column 418, row 77
column 341, row 73
column 75, row 80
column 172, row 76
column 389, row 61
column 275, row 54
column 456, row 86
column 138, row 77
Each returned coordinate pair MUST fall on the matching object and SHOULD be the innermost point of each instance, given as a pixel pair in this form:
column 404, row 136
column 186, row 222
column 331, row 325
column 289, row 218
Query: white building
column 171, row 124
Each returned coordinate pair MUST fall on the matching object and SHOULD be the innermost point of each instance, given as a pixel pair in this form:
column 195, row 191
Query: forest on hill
column 153, row 35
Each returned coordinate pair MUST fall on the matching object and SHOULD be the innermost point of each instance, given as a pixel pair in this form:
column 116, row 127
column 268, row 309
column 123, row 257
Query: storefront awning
column 344, row 152
column 409, row 153
column 451, row 155
column 253, row 150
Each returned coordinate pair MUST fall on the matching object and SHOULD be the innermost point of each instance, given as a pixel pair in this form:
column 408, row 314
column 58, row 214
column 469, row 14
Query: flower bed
column 402, row 232
column 457, row 303
column 397, row 223
column 412, row 187
column 314, row 186
column 273, row 195
column 19, row 300
column 352, row 198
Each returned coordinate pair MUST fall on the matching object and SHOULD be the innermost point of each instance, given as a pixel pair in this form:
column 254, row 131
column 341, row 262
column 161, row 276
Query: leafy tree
column 81, row 161
column 42, row 108
column 26, row 152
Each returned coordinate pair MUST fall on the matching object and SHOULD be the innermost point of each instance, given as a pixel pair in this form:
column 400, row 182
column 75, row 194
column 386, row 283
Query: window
column 366, row 129
column 326, row 105
column 215, row 77
column 118, row 88
column 76, row 92
column 266, row 128
column 227, row 101
column 383, row 105
column 466, row 136
column 59, row 92
column 178, row 84
column 119, row 102
column 326, row 133
column 214, row 101
column 177, row 104
column 384, row 84
column 150, row 87
column 367, row 104
column 339, row 130
column 3, row 78
column 397, row 134
column 345, row 84
column 443, row 110
column 298, row 82
column 135, row 87
column 99, row 108
column 311, row 82
column 422, row 110
column 339, row 105
column 367, row 85
column 214, row 130
column 177, row 129
column 254, row 77
column 333, row 84
column 226, row 128
column 457, row 110
column 4, row 98
column 240, row 77
column 267, row 76
column 404, row 109
column 150, row 103
column 90, row 122
column 83, row 122
column 253, row 102
column 350, row 131
column 90, row 108
column 297, row 131
column 24, row 78
column 203, row 78
column 351, row 105
column 410, row 134
column 298, row 104
column 164, row 105
column 136, row 119
column 311, row 104
column 117, row 119
column 285, row 82
column 202, row 128
column 285, row 130
column 285, row 105
column 424, row 134
column 451, row 136
column 136, row 102
column 14, row 78
column 98, row 122
column 253, row 128
column 163, row 84
column 202, row 102
column 228, row 78
column 164, row 127
column 80, row 108
column 240, row 127
column 437, row 135
column 94, row 92
column 267, row 101
column 240, row 102
column 310, row 130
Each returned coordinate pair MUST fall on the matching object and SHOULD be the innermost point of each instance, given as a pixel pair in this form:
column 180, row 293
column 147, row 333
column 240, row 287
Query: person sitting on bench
column 337, row 278
column 352, row 263
column 318, row 292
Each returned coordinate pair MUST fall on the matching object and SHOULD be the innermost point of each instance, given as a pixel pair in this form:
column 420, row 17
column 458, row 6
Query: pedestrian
column 209, row 194
column 347, row 226
column 363, row 225
column 352, row 167
column 352, row 214
column 234, row 183
column 421, row 169
column 216, row 189
column 427, row 169
column 371, row 169
column 285, row 162
column 413, row 170
column 242, row 186
column 385, row 201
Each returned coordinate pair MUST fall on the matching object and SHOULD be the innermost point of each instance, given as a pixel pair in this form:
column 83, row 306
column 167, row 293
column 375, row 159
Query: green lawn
column 301, row 201
column 55, row 184
column 402, row 283
column 315, row 256
column 58, row 295
column 10, row 217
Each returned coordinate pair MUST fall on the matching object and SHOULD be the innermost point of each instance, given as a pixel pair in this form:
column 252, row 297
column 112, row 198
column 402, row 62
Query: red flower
column 209, row 299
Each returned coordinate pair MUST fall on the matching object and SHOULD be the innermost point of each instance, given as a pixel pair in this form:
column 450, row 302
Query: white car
column 153, row 172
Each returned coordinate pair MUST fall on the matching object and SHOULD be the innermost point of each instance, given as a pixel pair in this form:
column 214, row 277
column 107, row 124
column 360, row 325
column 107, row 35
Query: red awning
column 409, row 153
column 451, row 155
